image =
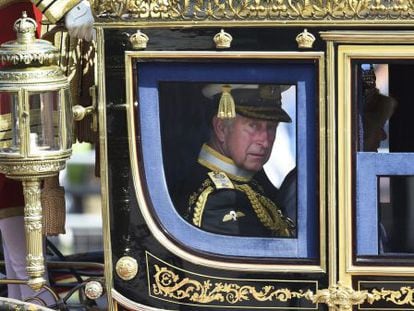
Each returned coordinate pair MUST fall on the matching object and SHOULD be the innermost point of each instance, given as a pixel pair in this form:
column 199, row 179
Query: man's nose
column 264, row 138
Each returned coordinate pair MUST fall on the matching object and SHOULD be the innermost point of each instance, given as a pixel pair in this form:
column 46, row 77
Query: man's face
column 248, row 142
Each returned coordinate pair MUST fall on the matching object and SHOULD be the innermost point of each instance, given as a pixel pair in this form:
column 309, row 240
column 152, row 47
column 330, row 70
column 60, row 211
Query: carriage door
column 372, row 101
column 341, row 170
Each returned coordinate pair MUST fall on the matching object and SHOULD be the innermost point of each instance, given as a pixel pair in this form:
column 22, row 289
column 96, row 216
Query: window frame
column 354, row 225
column 234, row 259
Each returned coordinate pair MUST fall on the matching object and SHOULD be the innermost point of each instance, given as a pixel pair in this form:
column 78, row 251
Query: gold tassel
column 226, row 109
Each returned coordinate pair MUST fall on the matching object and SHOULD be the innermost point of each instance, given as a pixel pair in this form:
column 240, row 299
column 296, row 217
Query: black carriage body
column 151, row 121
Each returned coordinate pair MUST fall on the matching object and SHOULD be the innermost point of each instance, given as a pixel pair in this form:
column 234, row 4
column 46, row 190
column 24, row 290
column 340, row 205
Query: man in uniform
column 224, row 194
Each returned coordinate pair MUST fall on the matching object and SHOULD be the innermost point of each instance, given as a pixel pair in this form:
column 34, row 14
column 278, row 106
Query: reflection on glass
column 44, row 121
column 9, row 124
column 220, row 185
column 69, row 120
column 396, row 206
column 376, row 109
column 385, row 108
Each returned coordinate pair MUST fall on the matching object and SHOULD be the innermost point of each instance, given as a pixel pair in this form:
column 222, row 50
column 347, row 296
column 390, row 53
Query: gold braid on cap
column 226, row 109
column 268, row 213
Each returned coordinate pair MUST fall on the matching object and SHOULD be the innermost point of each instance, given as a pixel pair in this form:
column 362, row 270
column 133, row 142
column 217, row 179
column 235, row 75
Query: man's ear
column 219, row 128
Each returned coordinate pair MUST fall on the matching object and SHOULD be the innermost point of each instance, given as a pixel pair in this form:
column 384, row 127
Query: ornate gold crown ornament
column 27, row 50
column 305, row 39
column 139, row 40
column 222, row 40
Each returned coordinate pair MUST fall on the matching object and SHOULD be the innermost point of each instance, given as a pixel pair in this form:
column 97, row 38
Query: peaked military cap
column 259, row 101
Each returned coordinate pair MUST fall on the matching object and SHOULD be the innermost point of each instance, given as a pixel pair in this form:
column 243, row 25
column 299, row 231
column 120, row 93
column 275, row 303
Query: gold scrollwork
column 169, row 284
column 32, row 168
column 265, row 10
column 30, row 57
column 403, row 296
column 338, row 297
column 35, row 75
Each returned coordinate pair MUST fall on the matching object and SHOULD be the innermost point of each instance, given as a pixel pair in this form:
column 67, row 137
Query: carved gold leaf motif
column 196, row 10
column 403, row 296
column 169, row 284
column 341, row 297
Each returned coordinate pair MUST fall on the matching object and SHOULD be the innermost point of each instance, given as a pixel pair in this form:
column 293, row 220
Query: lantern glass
column 9, row 123
column 45, row 122
column 68, row 128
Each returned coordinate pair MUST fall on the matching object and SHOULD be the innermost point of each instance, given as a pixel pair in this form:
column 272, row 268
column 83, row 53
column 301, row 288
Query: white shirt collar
column 215, row 161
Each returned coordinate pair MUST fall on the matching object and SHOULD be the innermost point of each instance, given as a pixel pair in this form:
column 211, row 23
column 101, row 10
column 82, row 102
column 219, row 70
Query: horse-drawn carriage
column 199, row 216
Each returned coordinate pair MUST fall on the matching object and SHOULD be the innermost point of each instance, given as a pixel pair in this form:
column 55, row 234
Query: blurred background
column 83, row 203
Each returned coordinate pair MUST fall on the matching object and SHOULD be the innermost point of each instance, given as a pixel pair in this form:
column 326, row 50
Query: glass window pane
column 69, row 120
column 384, row 107
column 9, row 124
column 375, row 108
column 45, row 121
column 396, row 202
column 383, row 141
column 265, row 123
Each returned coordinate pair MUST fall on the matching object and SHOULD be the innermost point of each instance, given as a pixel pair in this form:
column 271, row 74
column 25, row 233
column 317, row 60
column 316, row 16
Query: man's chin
column 254, row 168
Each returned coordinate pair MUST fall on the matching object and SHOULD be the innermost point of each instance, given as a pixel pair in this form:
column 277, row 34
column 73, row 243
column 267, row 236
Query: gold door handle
column 80, row 112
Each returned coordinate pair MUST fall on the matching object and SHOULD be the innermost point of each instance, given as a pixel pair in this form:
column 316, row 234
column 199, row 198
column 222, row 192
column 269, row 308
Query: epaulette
column 221, row 180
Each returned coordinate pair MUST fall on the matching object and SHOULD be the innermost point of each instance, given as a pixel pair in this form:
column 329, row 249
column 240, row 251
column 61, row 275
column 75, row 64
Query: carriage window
column 238, row 173
column 385, row 144
column 396, row 212
column 219, row 143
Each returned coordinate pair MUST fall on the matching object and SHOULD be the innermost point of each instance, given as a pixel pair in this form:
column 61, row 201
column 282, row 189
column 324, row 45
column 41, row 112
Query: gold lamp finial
column 305, row 39
column 25, row 28
column 222, row 40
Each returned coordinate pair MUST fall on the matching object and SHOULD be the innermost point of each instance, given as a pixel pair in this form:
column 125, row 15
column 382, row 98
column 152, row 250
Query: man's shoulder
column 212, row 184
column 220, row 180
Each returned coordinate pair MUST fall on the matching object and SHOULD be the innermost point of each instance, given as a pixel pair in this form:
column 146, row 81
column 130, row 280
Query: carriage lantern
column 35, row 127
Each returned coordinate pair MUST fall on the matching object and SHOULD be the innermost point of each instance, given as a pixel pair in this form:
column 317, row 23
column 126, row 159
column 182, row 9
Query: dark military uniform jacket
column 225, row 199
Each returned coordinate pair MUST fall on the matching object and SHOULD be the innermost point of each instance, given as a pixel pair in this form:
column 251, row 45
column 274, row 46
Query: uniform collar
column 215, row 161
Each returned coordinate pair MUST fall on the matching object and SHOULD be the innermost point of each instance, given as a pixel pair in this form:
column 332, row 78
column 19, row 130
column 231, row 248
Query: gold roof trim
column 202, row 12
column 380, row 37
